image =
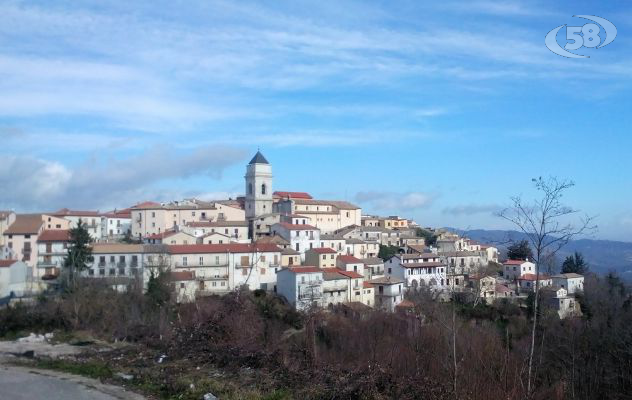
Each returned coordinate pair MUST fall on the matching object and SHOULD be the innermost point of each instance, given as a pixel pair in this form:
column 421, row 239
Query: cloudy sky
column 439, row 112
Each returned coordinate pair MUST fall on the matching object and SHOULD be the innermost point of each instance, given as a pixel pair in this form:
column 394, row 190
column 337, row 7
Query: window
column 27, row 236
column 184, row 261
column 297, row 247
column 182, row 285
column 263, row 188
column 250, row 188
column 153, row 214
column 245, row 261
column 201, row 260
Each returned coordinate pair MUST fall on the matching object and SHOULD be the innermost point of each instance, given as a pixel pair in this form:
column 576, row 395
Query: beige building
column 171, row 237
column 6, row 219
column 237, row 231
column 151, row 218
column 52, row 249
column 393, row 222
column 326, row 215
column 21, row 236
column 321, row 257
column 336, row 242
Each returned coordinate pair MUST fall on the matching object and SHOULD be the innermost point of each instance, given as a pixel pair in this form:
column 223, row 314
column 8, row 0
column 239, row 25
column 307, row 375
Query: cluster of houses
column 313, row 252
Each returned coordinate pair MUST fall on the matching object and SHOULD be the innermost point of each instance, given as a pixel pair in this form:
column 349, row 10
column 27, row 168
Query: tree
column 520, row 251
column 545, row 222
column 387, row 252
column 79, row 254
column 575, row 264
column 429, row 237
column 158, row 289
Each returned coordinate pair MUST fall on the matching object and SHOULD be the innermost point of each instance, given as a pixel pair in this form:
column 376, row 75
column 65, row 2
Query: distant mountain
column 602, row 255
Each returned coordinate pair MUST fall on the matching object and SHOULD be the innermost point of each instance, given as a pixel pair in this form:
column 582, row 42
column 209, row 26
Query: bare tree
column 548, row 225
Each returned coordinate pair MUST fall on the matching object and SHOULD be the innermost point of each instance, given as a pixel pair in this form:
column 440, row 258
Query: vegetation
column 575, row 263
column 251, row 345
column 520, row 251
column 429, row 237
column 387, row 252
column 79, row 255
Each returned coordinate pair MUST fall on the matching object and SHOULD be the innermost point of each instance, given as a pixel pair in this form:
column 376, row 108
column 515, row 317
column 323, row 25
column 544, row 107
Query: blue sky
column 438, row 112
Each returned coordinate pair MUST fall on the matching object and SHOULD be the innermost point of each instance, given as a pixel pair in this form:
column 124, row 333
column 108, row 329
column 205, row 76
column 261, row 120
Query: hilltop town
column 311, row 252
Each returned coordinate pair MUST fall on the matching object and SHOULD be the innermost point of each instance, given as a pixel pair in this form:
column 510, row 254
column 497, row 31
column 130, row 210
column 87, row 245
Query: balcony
column 313, row 282
column 215, row 277
column 310, row 296
column 335, row 288
column 47, row 264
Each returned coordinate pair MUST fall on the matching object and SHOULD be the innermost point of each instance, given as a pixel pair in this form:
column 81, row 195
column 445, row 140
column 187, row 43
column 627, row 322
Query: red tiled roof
column 7, row 263
column 406, row 304
column 304, row 270
column 222, row 248
column 293, row 195
column 367, row 285
column 126, row 213
column 208, row 224
column 532, row 277
column 54, row 235
column 345, row 259
column 147, row 204
column 514, row 262
column 25, row 224
column 297, row 227
column 350, row 274
column 502, row 288
column 323, row 250
column 182, row 275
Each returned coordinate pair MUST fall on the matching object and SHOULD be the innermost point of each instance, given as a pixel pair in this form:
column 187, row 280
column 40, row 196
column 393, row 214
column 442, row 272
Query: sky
column 438, row 112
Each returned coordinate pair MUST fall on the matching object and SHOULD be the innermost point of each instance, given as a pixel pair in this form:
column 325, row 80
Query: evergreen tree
column 575, row 264
column 79, row 254
column 520, row 251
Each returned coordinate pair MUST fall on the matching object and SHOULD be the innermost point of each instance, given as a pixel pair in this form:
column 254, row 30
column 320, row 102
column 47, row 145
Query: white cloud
column 393, row 201
column 471, row 209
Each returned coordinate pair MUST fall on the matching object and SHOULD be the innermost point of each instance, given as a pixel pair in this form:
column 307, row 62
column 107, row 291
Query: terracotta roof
column 293, row 195
column 304, row 270
column 502, row 288
column 297, row 227
column 54, row 235
column 351, row 274
column 419, row 255
column 406, row 304
column 7, row 263
column 146, row 205
column 65, row 212
column 209, row 224
column 125, row 213
column 532, row 277
column 162, row 235
column 25, row 224
column 345, row 259
column 332, row 274
column 222, row 248
column 367, row 285
column 182, row 275
column 276, row 239
column 323, row 250
column 514, row 262
column 289, row 252
column 328, row 236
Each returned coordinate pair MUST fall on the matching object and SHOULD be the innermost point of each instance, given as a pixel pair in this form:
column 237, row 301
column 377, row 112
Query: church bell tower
column 258, row 187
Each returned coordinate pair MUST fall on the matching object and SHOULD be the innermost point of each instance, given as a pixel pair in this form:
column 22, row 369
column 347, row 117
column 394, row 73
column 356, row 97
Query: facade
column 572, row 282
column 361, row 249
column 526, row 283
column 373, row 268
column 557, row 299
column 335, row 287
column 388, row 292
column 171, row 237
column 184, row 285
column 6, row 219
column 258, row 187
column 301, row 286
column 215, row 238
column 15, row 278
column 301, row 237
column 418, row 270
column 332, row 241
column 115, row 224
column 393, row 222
column 237, row 231
column 321, row 257
column 514, row 269
column 463, row 262
column 484, row 286
column 52, row 248
column 326, row 215
column 90, row 219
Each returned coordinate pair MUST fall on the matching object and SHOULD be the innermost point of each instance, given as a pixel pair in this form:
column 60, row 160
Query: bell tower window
column 263, row 189
column 250, row 188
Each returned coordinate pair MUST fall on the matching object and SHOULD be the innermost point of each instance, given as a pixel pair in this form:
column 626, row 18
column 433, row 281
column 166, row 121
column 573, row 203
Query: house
column 373, row 267
column 527, row 282
column 393, row 222
column 388, row 292
column 503, row 292
column 301, row 286
column 350, row 263
column 301, row 237
column 370, row 220
column 21, row 236
column 368, row 294
column 355, row 284
column 184, row 285
column 556, row 298
column 215, row 238
column 326, row 215
column 484, row 286
column 6, row 219
column 290, row 257
column 463, row 262
column 335, row 287
column 514, row 269
column 16, row 279
column 360, row 248
column 276, row 240
column 572, row 282
column 90, row 219
column 490, row 253
column 52, row 249
column 336, row 242
column 237, row 231
column 322, row 257
column 282, row 195
column 116, row 223
column 418, row 270
column 170, row 237
column 120, row 264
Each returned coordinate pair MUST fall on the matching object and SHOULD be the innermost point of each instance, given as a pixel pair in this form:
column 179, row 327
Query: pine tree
column 79, row 254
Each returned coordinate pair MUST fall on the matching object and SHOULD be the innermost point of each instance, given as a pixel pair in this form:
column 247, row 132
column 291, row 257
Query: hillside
column 602, row 255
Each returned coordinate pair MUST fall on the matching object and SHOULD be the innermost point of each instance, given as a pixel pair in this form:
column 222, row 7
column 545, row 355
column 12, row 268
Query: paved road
column 19, row 383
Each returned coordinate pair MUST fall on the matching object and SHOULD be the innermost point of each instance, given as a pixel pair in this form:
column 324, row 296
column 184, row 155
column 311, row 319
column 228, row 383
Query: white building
column 301, row 286
column 237, row 231
column 15, row 278
column 258, row 187
column 571, row 282
column 418, row 270
column 116, row 223
column 90, row 219
column 335, row 287
column 388, row 291
column 526, row 282
column 514, row 269
column 301, row 237
column 52, row 248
